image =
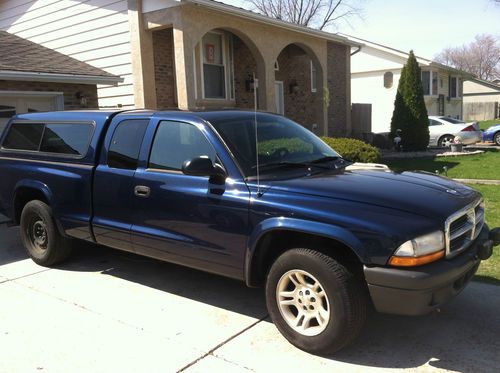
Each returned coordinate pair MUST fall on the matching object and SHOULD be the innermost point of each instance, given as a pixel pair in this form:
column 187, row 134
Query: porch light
column 249, row 84
column 294, row 87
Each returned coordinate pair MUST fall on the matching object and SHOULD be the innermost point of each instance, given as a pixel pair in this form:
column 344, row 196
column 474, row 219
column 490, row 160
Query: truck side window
column 176, row 142
column 65, row 138
column 126, row 144
column 24, row 136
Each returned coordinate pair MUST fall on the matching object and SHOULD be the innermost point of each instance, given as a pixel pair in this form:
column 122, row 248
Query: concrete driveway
column 108, row 311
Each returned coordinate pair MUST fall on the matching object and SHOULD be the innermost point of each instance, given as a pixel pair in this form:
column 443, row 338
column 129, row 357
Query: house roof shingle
column 21, row 55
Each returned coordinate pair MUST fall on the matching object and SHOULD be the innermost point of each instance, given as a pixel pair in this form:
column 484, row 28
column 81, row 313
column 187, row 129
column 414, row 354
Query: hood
column 419, row 193
column 493, row 128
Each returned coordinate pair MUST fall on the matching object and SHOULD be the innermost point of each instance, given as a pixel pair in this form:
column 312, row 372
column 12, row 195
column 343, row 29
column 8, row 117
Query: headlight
column 419, row 251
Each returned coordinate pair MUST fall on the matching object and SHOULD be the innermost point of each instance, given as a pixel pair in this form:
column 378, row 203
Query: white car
column 443, row 130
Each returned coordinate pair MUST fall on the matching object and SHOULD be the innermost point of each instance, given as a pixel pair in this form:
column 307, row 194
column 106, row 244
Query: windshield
column 452, row 120
column 280, row 141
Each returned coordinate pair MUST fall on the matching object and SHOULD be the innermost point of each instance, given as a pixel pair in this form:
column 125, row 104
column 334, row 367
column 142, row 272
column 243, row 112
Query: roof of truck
column 103, row 114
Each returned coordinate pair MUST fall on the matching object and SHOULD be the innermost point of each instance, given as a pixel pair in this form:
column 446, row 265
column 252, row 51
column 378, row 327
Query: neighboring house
column 196, row 54
column 375, row 73
column 481, row 99
column 35, row 78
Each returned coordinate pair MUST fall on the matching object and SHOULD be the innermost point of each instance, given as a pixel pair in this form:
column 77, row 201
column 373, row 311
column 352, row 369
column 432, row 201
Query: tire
column 496, row 138
column 334, row 316
column 444, row 139
column 40, row 236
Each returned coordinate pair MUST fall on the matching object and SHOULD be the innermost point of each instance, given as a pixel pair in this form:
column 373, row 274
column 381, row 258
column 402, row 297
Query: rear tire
column 445, row 140
column 40, row 236
column 315, row 302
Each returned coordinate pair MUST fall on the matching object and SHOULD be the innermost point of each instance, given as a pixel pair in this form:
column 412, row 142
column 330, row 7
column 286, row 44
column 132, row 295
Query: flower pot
column 457, row 148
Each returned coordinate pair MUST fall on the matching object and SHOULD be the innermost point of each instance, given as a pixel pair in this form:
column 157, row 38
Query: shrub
column 410, row 113
column 293, row 145
column 354, row 150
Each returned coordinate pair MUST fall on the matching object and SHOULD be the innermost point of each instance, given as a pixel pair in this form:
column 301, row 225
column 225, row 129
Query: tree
column 318, row 14
column 410, row 113
column 480, row 57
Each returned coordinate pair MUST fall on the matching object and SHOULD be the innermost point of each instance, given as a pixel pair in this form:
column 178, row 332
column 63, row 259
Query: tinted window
column 24, row 136
column 63, row 138
column 279, row 140
column 452, row 120
column 177, row 142
column 433, row 122
column 126, row 144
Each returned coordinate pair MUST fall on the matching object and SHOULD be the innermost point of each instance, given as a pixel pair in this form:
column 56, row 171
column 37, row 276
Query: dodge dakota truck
column 251, row 196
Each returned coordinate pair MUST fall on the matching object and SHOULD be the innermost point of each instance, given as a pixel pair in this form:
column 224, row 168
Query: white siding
column 93, row 31
column 368, row 88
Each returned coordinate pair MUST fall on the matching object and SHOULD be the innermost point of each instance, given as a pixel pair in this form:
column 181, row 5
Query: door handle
column 142, row 191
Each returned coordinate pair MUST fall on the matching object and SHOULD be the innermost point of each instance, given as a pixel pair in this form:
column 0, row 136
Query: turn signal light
column 412, row 261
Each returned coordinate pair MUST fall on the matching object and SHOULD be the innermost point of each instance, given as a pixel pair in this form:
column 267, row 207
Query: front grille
column 463, row 227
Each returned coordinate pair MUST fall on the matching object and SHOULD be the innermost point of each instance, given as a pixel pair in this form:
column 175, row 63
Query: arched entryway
column 299, row 86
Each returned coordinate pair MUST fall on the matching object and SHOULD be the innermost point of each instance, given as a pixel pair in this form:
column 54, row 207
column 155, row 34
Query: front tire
column 496, row 138
column 315, row 302
column 40, row 236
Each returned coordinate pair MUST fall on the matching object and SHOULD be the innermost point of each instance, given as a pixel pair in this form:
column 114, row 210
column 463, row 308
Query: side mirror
column 203, row 166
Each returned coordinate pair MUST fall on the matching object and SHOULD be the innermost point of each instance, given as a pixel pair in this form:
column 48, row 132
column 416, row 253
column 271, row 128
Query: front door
column 186, row 219
column 280, row 97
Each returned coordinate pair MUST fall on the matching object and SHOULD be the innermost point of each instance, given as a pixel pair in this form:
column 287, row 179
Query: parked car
column 443, row 130
column 282, row 212
column 492, row 134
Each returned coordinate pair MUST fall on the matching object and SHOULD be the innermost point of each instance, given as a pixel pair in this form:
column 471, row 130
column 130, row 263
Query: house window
column 314, row 78
column 455, row 88
column 214, row 70
column 388, row 79
column 430, row 83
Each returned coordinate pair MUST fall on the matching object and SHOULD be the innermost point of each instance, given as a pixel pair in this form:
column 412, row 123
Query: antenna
column 259, row 193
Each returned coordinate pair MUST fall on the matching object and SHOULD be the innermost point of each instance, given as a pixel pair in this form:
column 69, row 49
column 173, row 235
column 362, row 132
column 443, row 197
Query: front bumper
column 419, row 290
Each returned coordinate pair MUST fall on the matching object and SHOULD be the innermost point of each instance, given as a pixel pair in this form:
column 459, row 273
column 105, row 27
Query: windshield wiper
column 339, row 161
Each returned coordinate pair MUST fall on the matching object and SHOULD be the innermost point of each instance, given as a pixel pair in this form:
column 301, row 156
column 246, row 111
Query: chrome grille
column 463, row 227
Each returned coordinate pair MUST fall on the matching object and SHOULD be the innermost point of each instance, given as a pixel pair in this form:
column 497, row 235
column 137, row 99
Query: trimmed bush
column 293, row 145
column 354, row 150
column 410, row 113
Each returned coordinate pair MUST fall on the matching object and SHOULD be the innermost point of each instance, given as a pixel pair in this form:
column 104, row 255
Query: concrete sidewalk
column 108, row 311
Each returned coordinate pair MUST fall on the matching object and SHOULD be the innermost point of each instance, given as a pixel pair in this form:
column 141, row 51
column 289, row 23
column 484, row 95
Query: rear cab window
column 126, row 143
column 65, row 139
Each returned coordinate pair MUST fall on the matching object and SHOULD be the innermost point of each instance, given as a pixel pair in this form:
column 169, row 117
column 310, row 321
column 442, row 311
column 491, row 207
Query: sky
column 426, row 26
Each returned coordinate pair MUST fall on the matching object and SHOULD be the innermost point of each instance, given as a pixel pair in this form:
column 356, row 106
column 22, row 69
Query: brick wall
column 244, row 67
column 302, row 106
column 163, row 53
column 339, row 85
column 71, row 102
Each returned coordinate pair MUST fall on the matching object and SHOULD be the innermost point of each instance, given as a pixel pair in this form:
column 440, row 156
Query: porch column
column 141, row 43
column 184, row 69
column 266, row 87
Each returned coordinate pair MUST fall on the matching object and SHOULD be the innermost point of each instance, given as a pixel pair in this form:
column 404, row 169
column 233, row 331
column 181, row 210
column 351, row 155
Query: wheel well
column 275, row 243
column 23, row 196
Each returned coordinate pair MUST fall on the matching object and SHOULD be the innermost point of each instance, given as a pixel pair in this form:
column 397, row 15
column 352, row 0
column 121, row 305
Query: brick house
column 191, row 54
column 35, row 78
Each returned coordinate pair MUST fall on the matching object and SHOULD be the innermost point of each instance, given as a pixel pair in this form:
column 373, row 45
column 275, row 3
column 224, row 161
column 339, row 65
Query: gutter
column 232, row 10
column 59, row 78
column 356, row 51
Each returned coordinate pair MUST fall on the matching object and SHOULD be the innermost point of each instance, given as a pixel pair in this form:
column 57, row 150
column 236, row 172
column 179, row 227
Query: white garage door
column 20, row 104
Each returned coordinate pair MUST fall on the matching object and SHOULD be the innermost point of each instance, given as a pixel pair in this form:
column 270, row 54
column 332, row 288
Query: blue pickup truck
column 251, row 196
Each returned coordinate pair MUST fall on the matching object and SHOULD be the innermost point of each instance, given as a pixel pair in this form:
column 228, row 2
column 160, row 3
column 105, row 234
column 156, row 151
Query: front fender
column 298, row 225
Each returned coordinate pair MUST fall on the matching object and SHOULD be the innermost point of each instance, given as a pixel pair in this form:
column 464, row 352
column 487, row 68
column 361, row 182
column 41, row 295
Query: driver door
column 185, row 219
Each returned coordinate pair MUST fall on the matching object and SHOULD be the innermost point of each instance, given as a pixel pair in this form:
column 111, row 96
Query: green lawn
column 489, row 271
column 481, row 166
